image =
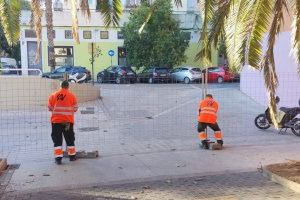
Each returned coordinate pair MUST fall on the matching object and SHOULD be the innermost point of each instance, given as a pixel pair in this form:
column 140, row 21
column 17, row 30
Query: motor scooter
column 287, row 119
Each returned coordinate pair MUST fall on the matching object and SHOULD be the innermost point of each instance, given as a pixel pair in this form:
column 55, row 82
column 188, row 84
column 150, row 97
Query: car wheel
column 72, row 81
column 100, row 79
column 220, row 79
column 150, row 80
column 118, row 80
column 186, row 80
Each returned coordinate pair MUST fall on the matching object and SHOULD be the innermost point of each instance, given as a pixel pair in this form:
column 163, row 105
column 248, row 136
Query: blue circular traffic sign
column 111, row 53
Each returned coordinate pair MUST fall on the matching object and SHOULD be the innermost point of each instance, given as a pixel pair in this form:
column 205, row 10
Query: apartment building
column 67, row 52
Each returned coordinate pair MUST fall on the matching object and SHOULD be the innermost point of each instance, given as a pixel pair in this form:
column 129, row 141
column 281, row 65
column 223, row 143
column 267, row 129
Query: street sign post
column 111, row 53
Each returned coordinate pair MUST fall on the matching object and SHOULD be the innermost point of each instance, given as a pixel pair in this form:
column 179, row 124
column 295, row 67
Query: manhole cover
column 88, row 129
column 84, row 112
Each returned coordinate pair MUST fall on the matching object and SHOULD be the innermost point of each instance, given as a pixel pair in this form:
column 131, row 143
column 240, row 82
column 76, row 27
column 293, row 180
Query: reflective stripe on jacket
column 63, row 105
column 208, row 109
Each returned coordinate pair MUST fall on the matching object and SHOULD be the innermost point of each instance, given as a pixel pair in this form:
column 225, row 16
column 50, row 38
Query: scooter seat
column 285, row 109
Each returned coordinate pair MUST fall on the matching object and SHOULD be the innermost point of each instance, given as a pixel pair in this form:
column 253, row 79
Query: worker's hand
column 50, row 108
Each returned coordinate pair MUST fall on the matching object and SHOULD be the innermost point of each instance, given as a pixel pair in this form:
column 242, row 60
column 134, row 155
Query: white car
column 186, row 74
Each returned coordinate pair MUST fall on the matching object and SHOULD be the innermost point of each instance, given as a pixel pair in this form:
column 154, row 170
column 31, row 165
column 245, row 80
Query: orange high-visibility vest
column 63, row 104
column 208, row 111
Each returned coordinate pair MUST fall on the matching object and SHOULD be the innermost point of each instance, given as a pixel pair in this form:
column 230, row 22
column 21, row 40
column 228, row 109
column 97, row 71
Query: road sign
column 111, row 53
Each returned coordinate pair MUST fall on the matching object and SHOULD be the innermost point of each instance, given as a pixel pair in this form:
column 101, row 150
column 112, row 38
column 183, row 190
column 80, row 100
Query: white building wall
column 252, row 82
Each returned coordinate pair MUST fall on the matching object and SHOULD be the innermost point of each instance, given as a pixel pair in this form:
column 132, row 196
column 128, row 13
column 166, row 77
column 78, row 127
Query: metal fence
column 131, row 118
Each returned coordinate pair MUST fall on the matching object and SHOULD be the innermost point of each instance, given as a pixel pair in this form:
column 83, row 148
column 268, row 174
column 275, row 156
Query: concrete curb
column 3, row 165
column 282, row 181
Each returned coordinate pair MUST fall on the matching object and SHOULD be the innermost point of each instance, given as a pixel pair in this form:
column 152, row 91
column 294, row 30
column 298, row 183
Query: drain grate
column 88, row 129
column 84, row 112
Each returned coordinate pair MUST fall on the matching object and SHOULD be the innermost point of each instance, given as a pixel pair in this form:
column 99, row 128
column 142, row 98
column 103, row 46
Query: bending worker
column 208, row 109
column 63, row 105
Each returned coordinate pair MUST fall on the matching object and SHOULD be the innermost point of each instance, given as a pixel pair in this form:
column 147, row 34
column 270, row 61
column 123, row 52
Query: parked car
column 118, row 74
column 9, row 61
column 7, row 69
column 154, row 74
column 186, row 74
column 219, row 74
column 76, row 74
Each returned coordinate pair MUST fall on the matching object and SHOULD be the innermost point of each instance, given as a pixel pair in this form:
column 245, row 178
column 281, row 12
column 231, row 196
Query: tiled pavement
column 228, row 186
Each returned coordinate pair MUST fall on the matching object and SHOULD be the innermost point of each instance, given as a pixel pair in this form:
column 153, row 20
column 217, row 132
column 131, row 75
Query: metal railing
column 7, row 72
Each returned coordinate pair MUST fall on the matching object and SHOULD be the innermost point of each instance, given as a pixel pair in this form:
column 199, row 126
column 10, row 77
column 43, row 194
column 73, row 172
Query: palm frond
column 74, row 21
column 37, row 14
column 207, row 8
column 268, row 62
column 10, row 11
column 85, row 9
column 257, row 26
column 111, row 12
column 235, row 34
column 296, row 34
column 218, row 22
column 178, row 3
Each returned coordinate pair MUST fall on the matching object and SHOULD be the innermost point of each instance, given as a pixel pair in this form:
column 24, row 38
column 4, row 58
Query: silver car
column 186, row 74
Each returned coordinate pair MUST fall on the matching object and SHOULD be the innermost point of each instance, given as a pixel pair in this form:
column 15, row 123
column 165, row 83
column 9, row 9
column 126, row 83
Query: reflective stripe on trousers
column 71, row 150
column 218, row 135
column 58, row 152
column 203, row 136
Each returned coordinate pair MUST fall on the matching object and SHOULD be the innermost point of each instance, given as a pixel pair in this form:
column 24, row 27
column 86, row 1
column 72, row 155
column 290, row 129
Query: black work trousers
column 62, row 129
column 202, row 126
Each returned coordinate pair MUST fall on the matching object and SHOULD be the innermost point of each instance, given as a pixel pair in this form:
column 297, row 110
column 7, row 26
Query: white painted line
column 176, row 107
column 195, row 87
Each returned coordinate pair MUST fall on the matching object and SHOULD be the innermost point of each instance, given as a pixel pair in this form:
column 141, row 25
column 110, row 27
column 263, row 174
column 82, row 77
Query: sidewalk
column 228, row 186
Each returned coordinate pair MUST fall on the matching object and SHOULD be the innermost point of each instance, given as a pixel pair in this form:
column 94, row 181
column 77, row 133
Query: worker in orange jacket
column 63, row 105
column 208, row 109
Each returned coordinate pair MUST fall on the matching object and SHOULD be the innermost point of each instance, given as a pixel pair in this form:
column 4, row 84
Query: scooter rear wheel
column 296, row 127
column 262, row 122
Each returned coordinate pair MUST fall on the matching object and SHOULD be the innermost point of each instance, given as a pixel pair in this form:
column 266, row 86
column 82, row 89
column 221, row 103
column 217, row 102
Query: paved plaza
column 147, row 133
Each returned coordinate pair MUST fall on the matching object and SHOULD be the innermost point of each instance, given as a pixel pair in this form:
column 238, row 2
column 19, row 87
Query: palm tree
column 10, row 11
column 243, row 25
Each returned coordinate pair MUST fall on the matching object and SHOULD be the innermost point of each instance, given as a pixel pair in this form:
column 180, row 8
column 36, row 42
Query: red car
column 219, row 74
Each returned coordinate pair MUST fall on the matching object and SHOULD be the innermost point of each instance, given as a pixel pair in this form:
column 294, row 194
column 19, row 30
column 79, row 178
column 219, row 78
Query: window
column 61, row 70
column 104, row 35
column 185, row 69
column 68, row 34
column 87, row 34
column 120, row 35
column 176, row 70
column 64, row 55
column 30, row 33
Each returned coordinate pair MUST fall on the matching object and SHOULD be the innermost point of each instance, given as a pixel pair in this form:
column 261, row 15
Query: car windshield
column 126, row 68
column 162, row 70
column 196, row 70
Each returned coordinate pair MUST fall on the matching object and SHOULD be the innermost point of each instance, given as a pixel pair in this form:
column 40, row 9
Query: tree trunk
column 50, row 37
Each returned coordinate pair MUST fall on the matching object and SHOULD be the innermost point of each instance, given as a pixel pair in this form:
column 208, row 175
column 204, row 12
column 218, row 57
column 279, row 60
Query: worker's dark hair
column 209, row 95
column 64, row 84
column 277, row 99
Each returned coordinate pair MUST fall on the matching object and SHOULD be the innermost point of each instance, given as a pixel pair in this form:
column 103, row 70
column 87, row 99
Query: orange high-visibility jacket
column 208, row 109
column 62, row 104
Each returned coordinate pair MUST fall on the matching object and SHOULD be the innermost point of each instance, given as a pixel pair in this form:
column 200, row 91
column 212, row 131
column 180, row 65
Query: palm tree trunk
column 50, row 36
